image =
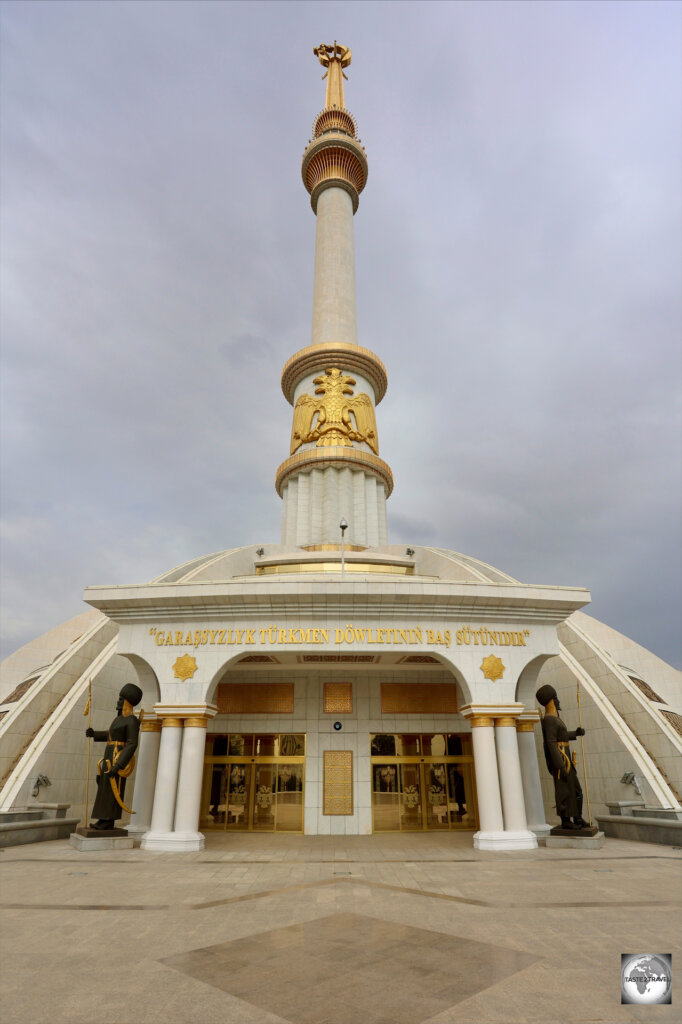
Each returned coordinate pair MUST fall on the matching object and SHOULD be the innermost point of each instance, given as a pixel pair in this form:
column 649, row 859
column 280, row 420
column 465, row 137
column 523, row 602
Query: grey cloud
column 518, row 263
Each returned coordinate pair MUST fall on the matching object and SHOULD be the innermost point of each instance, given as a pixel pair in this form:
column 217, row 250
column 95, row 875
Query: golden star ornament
column 184, row 667
column 492, row 667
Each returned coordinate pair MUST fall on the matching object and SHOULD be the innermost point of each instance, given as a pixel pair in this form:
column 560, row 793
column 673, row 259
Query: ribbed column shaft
column 315, row 502
column 334, row 309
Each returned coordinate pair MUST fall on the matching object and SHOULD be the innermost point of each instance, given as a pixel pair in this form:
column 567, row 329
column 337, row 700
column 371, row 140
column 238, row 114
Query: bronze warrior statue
column 118, row 759
column 567, row 791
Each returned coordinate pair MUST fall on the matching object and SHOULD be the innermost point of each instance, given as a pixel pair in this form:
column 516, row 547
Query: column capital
column 527, row 721
column 185, row 710
column 150, row 724
column 491, row 711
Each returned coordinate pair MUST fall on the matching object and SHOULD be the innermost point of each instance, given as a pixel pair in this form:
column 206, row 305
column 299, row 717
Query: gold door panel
column 253, row 783
column 423, row 782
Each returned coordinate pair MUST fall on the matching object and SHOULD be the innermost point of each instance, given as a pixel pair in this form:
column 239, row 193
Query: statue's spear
column 87, row 711
column 582, row 747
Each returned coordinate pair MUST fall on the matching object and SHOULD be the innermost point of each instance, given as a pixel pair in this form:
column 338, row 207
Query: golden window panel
column 418, row 659
column 255, row 698
column 338, row 699
column 331, row 658
column 418, row 698
column 338, row 782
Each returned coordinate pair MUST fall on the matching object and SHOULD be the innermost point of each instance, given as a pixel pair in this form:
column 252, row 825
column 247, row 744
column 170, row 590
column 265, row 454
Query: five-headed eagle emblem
column 340, row 420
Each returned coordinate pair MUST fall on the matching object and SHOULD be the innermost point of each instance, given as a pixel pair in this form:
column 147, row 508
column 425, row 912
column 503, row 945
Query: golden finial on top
column 334, row 58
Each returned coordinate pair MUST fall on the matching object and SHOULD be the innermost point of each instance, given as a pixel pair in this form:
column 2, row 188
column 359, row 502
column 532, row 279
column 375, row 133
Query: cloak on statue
column 117, row 761
column 567, row 791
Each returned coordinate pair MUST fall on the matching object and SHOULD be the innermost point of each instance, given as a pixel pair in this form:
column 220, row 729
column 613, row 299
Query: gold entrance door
column 412, row 793
column 261, row 793
column 238, row 791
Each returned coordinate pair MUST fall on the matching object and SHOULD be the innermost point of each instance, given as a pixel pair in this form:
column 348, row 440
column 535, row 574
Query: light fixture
column 260, row 552
column 409, row 552
column 343, row 526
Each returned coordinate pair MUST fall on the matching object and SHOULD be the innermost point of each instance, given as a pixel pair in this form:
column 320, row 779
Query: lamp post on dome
column 343, row 526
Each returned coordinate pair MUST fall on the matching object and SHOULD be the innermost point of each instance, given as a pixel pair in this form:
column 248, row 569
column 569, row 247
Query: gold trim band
column 381, row 568
column 196, row 723
column 481, row 721
column 505, row 722
column 150, row 725
column 525, row 726
column 172, row 723
column 351, row 358
column 339, row 457
column 334, row 547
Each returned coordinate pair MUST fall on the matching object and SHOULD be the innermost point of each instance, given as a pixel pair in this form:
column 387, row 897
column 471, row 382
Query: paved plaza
column 285, row 929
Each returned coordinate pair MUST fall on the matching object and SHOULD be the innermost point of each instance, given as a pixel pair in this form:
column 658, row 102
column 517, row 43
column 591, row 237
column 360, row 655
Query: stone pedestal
column 86, row 844
column 566, row 841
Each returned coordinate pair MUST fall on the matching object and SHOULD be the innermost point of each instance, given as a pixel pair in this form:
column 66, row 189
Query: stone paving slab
column 392, row 929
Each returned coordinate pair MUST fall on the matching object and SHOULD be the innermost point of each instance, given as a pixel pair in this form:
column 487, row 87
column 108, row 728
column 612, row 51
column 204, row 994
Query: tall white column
column 334, row 309
column 487, row 784
column 530, row 774
column 186, row 835
column 516, row 831
column 160, row 835
column 145, row 776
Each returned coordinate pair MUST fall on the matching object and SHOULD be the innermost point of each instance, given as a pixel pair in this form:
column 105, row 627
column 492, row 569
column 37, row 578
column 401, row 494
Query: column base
column 521, row 840
column 539, row 831
column 173, row 842
column 137, row 831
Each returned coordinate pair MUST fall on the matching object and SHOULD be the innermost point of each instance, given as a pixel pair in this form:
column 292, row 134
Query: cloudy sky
column 518, row 251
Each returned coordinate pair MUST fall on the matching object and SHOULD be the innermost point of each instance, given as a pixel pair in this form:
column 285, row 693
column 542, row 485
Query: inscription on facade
column 278, row 636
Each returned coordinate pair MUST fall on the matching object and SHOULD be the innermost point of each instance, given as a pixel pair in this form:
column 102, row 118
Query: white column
column 160, row 835
column 530, row 775
column 487, row 785
column 186, row 835
column 147, row 756
column 334, row 311
column 517, row 835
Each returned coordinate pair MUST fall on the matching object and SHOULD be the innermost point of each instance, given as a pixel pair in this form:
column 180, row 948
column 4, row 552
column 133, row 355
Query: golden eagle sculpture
column 334, row 418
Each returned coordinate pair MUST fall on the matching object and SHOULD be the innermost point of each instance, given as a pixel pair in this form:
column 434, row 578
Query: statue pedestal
column 586, row 839
column 87, row 839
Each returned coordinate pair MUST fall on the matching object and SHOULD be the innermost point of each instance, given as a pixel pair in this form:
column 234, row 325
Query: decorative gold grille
column 327, row 659
column 674, row 719
column 647, row 690
column 334, row 162
column 19, row 691
column 335, row 120
column 418, row 659
column 338, row 782
column 257, row 658
column 255, row 698
column 338, row 699
column 418, row 698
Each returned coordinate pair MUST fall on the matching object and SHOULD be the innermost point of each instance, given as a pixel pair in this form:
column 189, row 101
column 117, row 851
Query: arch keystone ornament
column 492, row 668
column 184, row 667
